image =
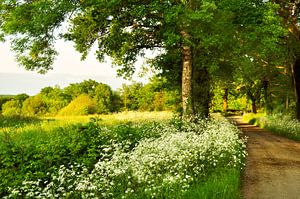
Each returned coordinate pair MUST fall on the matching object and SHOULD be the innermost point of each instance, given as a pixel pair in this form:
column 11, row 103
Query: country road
column 273, row 164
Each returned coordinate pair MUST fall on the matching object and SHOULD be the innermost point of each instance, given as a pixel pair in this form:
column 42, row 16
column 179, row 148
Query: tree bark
column 287, row 102
column 296, row 78
column 201, row 91
column 225, row 100
column 253, row 98
column 266, row 96
column 254, row 108
column 187, row 68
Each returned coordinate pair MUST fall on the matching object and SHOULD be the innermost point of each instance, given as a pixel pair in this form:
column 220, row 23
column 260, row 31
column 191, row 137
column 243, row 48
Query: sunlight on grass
column 127, row 116
column 48, row 124
column 284, row 125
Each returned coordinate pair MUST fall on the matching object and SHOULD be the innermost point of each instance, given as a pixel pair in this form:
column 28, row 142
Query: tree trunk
column 266, row 96
column 287, row 102
column 296, row 77
column 187, row 68
column 201, row 91
column 254, row 108
column 225, row 100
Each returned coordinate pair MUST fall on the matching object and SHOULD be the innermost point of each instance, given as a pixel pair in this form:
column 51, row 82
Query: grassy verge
column 223, row 183
column 283, row 125
column 142, row 158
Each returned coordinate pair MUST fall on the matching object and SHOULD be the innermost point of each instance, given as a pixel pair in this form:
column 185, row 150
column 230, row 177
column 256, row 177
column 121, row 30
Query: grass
column 280, row 124
column 224, row 183
column 116, row 118
column 130, row 154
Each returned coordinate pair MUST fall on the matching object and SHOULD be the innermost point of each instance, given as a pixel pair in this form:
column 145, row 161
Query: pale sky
column 67, row 69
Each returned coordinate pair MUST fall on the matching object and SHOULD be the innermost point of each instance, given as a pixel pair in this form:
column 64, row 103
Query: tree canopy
column 198, row 39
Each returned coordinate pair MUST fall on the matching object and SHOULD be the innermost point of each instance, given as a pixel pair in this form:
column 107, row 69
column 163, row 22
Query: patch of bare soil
column 272, row 166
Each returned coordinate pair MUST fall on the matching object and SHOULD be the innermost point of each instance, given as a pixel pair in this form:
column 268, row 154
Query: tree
column 54, row 99
column 130, row 95
column 33, row 106
column 14, row 106
column 289, row 11
column 124, row 29
column 86, row 87
column 103, row 97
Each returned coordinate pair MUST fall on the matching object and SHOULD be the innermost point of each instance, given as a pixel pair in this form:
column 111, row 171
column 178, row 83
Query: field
column 124, row 155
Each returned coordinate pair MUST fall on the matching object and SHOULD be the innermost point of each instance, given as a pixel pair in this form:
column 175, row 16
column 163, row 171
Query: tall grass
column 284, row 125
column 223, row 183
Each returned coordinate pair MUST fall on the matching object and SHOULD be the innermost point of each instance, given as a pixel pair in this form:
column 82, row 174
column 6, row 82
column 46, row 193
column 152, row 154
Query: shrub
column 3, row 100
column 12, row 107
column 81, row 105
column 33, row 106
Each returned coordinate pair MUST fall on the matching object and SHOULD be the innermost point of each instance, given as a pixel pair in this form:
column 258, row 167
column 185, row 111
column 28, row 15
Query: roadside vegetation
column 282, row 124
column 154, row 157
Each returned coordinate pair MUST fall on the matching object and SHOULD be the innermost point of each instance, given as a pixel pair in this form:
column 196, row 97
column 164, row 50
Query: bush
column 3, row 100
column 33, row 106
column 12, row 107
column 81, row 105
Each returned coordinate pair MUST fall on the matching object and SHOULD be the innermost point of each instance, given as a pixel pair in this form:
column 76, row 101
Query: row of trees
column 249, row 45
column 91, row 97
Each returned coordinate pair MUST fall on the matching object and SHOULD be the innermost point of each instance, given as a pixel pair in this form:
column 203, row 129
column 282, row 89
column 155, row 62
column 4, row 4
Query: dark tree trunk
column 187, row 69
column 296, row 77
column 252, row 97
column 254, row 108
column 201, row 91
column 225, row 100
column 266, row 96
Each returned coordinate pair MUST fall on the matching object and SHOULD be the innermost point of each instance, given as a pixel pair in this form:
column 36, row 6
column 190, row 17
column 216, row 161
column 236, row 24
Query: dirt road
column 272, row 166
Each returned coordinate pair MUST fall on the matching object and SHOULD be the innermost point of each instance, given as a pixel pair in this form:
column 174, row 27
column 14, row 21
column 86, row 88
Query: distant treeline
column 91, row 97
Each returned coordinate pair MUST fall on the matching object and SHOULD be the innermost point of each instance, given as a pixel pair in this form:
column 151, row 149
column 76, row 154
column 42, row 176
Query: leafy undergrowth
column 128, row 160
column 17, row 121
column 280, row 124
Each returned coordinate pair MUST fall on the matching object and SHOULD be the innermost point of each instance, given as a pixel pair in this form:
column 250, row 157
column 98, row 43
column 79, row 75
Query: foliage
column 54, row 99
column 284, row 125
column 17, row 121
column 92, row 160
column 81, row 105
column 33, row 106
column 154, row 96
column 14, row 106
column 235, row 102
column 31, row 147
column 3, row 100
column 103, row 97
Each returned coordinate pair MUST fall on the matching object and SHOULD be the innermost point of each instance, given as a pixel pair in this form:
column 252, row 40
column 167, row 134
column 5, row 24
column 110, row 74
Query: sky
column 67, row 69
